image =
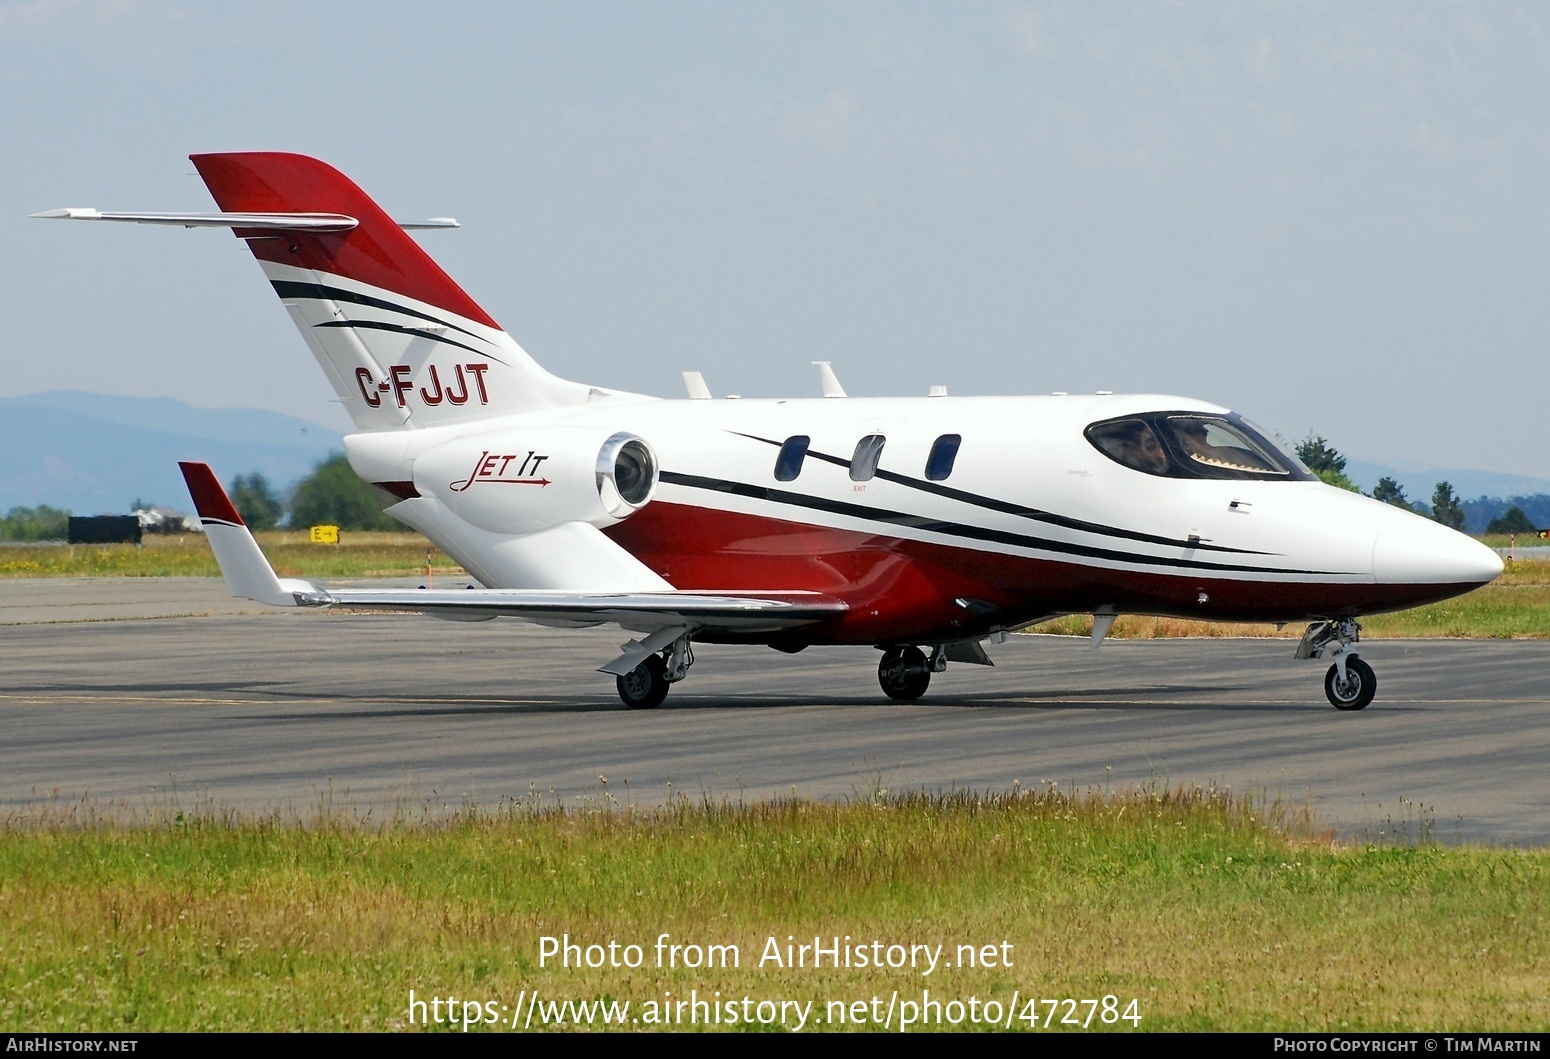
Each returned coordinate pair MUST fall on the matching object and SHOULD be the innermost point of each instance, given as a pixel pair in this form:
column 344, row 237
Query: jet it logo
column 491, row 467
column 400, row 383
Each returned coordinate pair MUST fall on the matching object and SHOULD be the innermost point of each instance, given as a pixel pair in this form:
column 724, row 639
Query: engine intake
column 626, row 474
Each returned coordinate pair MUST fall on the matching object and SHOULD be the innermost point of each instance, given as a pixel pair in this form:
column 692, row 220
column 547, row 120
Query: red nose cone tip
column 1424, row 553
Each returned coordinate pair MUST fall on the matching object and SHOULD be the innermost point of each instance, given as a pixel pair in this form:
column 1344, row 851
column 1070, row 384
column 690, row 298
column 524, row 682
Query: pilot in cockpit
column 1139, row 448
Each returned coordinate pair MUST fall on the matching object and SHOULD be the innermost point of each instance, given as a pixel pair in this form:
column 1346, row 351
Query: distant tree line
column 332, row 495
column 41, row 523
column 1516, row 514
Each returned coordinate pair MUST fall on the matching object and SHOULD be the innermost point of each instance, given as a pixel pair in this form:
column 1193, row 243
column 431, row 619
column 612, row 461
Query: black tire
column 903, row 673
column 1360, row 685
column 645, row 686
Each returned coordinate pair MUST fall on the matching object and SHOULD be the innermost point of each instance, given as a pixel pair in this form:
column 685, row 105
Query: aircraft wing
column 249, row 575
column 637, row 611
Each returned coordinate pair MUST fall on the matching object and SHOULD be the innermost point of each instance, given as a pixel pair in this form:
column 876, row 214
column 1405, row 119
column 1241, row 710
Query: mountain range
column 1469, row 484
column 93, row 453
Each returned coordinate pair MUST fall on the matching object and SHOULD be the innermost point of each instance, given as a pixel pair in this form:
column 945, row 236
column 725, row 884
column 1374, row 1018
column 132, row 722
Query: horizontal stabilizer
column 264, row 221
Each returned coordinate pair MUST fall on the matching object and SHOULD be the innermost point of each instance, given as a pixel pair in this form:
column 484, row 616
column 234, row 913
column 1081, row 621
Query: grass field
column 359, row 554
column 1208, row 910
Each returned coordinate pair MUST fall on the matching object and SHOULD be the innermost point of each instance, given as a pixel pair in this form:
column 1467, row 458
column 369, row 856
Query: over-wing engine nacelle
column 522, row 481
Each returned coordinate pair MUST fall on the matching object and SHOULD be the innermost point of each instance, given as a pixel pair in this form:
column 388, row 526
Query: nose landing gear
column 1353, row 689
column 1350, row 683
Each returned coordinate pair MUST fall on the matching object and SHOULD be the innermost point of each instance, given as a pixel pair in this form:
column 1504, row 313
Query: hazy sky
column 1332, row 217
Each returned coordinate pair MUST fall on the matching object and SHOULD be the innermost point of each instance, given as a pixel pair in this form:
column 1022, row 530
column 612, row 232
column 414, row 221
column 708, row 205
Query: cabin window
column 863, row 465
column 943, row 452
column 788, row 461
column 1195, row 445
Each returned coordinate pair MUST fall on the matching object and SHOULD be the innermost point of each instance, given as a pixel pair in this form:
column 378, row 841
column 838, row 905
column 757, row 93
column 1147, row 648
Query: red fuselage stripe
column 899, row 589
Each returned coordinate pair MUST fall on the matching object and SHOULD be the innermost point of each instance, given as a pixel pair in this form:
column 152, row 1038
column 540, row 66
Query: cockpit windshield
column 1195, row 445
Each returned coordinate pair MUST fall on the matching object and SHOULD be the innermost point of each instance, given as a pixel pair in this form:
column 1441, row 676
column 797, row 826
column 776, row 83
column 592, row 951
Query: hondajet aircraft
column 924, row 526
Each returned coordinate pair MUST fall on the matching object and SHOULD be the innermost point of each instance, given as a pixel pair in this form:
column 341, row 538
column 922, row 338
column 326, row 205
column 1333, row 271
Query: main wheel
column 903, row 673
column 1356, row 690
column 645, row 686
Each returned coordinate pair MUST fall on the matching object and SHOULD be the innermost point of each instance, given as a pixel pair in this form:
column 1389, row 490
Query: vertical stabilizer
column 401, row 343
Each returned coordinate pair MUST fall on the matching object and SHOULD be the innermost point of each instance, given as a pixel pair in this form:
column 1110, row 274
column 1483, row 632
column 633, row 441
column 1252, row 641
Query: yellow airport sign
column 325, row 534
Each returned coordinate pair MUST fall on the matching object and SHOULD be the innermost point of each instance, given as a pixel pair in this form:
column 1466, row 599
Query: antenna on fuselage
column 694, row 382
column 830, row 381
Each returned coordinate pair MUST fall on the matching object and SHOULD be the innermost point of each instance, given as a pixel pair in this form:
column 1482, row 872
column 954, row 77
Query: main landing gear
column 905, row 672
column 647, row 668
column 645, row 686
column 1350, row 683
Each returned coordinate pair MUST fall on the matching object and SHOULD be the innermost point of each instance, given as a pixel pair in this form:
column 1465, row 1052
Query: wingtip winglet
column 210, row 500
column 248, row 574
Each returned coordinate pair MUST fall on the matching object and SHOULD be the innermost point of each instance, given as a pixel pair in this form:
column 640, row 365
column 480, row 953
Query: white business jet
column 924, row 526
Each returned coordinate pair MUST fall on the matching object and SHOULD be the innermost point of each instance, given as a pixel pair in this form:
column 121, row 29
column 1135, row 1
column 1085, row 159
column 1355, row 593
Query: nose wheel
column 1354, row 689
column 1350, row 683
column 904, row 673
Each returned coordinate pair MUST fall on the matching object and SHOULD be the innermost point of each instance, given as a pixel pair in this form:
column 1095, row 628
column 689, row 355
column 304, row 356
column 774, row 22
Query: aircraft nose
column 1423, row 552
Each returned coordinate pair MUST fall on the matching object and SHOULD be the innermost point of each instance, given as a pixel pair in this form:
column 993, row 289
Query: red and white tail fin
column 248, row 574
column 402, row 344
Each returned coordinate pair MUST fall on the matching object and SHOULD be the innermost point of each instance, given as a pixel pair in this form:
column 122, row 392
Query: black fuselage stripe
column 400, row 329
column 1005, row 507
column 958, row 529
column 292, row 289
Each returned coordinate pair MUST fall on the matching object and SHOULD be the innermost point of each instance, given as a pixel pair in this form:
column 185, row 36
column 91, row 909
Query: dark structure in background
column 104, row 529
